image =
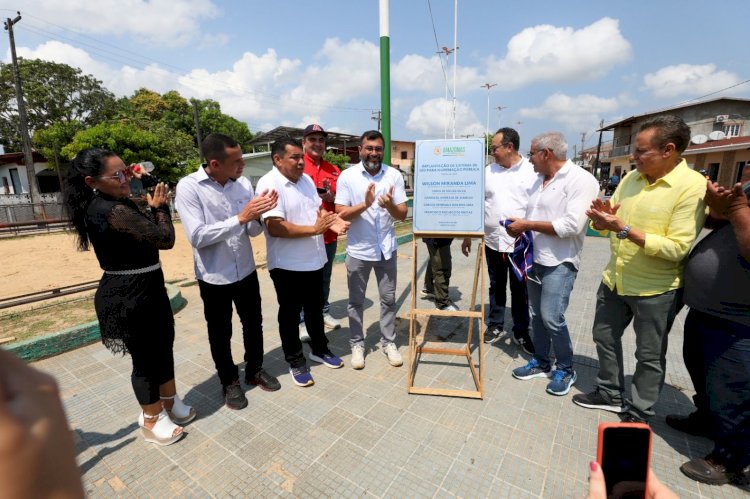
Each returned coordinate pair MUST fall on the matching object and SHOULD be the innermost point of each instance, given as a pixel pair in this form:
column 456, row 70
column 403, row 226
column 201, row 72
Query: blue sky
column 557, row 65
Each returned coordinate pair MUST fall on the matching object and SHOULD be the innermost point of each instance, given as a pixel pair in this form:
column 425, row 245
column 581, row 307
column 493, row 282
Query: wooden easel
column 470, row 314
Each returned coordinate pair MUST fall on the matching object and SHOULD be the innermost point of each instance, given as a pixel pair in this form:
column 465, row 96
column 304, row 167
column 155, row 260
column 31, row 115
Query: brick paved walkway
column 358, row 433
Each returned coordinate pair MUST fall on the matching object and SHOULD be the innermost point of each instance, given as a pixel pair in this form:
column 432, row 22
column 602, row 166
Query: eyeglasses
column 372, row 148
column 122, row 176
column 493, row 148
column 531, row 153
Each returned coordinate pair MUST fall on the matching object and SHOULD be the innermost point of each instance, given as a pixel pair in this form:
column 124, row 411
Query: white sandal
column 163, row 432
column 180, row 413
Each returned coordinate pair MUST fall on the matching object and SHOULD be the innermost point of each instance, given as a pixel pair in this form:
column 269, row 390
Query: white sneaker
column 303, row 335
column 330, row 322
column 391, row 351
column 450, row 307
column 358, row 357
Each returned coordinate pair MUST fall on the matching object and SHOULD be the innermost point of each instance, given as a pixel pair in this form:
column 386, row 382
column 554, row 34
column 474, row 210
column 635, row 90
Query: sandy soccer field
column 48, row 261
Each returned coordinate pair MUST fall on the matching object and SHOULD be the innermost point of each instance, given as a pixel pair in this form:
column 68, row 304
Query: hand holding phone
column 624, row 453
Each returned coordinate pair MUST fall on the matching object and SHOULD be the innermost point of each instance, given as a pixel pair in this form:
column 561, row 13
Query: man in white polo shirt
column 371, row 195
column 556, row 214
column 296, row 255
column 507, row 187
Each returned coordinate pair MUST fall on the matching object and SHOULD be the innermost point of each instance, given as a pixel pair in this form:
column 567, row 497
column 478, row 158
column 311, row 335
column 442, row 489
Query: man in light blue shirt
column 371, row 196
column 219, row 210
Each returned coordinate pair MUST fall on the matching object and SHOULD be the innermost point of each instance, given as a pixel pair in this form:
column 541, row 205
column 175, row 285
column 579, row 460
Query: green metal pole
column 385, row 79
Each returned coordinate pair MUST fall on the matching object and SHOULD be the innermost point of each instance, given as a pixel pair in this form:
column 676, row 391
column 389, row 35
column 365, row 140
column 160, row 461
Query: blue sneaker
column 561, row 382
column 301, row 376
column 531, row 370
column 327, row 359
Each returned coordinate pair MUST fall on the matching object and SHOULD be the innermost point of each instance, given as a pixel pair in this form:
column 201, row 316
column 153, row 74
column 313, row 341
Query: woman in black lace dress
column 131, row 303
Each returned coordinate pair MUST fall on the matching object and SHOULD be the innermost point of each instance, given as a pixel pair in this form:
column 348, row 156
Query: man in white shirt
column 296, row 256
column 557, row 216
column 371, row 195
column 219, row 210
column 507, row 186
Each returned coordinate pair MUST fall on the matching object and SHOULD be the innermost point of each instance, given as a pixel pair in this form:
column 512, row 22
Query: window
column 403, row 154
column 732, row 130
column 15, row 180
column 713, row 171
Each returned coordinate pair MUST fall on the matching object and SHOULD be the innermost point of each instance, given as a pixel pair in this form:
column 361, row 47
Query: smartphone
column 624, row 453
column 321, row 190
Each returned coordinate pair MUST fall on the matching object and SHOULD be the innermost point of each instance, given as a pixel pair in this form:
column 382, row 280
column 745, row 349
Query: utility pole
column 583, row 145
column 447, row 52
column 376, row 116
column 499, row 110
column 385, row 77
column 597, row 165
column 198, row 129
column 488, row 86
column 455, row 61
column 28, row 155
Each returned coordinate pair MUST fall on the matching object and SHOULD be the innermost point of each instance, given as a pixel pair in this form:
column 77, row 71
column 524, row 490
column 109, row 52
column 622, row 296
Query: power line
column 439, row 49
column 140, row 62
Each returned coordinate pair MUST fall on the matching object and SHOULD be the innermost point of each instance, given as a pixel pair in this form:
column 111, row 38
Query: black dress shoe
column 706, row 470
column 263, row 380
column 692, row 424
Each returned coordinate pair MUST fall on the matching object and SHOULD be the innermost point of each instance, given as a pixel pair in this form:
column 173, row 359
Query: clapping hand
column 160, row 196
column 325, row 221
column 370, row 195
column 386, row 200
column 257, row 206
column 604, row 215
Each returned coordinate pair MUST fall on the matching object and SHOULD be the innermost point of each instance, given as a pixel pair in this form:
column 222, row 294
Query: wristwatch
column 623, row 234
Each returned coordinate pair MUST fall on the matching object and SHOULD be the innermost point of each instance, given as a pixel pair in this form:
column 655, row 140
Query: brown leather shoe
column 706, row 470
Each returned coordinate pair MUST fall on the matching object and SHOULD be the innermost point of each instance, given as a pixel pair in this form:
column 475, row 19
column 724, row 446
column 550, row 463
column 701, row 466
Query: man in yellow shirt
column 653, row 218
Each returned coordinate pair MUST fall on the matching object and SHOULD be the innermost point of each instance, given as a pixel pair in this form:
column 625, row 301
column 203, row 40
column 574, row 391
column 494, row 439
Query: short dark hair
column 279, row 146
column 215, row 146
column 371, row 135
column 510, row 136
column 669, row 128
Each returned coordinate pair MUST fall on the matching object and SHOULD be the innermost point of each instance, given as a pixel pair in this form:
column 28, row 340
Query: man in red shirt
column 324, row 176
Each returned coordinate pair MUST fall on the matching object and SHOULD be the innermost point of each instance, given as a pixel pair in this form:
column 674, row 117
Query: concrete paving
column 359, row 433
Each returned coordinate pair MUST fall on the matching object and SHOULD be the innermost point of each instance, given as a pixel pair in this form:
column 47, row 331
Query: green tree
column 53, row 93
column 172, row 151
column 340, row 160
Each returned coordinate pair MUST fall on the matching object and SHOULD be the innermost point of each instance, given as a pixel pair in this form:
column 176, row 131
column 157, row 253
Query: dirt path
column 47, row 261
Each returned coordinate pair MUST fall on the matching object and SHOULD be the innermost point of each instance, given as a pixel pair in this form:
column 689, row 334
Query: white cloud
column 430, row 119
column 153, row 21
column 554, row 54
column 121, row 81
column 577, row 113
column 688, row 79
column 350, row 70
column 422, row 74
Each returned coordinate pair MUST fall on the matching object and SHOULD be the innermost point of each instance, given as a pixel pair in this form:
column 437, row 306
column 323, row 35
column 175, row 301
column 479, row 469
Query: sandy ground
column 47, row 261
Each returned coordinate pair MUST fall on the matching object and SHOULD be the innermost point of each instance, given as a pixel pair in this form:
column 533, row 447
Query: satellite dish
column 699, row 139
column 717, row 135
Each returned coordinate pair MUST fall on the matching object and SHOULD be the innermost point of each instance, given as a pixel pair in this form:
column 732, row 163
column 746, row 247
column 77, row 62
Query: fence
column 18, row 209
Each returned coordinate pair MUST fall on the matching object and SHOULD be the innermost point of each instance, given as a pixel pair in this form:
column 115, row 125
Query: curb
column 74, row 337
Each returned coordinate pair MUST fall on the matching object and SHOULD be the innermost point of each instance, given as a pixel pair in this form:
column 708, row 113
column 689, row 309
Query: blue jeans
column 327, row 271
column 549, row 291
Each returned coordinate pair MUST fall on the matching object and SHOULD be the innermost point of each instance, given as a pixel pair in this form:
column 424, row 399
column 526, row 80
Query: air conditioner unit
column 721, row 118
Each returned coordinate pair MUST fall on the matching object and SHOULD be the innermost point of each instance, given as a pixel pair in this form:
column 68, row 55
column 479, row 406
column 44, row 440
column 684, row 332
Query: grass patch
column 48, row 318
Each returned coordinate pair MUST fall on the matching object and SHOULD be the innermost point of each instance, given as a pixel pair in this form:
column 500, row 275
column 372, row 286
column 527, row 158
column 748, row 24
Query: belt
column 143, row 270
